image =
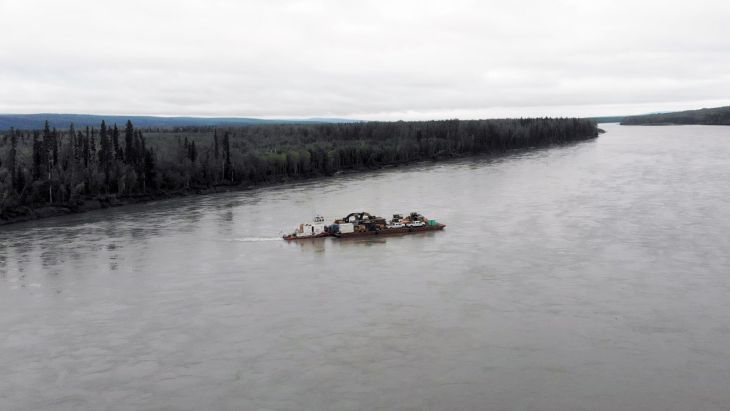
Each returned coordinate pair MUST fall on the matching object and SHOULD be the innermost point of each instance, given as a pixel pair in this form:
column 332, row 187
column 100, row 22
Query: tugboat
column 315, row 229
column 364, row 224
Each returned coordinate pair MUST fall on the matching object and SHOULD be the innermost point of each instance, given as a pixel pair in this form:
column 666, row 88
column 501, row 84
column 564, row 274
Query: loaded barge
column 364, row 224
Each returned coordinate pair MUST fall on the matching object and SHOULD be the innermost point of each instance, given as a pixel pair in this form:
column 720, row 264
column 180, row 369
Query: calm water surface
column 592, row 276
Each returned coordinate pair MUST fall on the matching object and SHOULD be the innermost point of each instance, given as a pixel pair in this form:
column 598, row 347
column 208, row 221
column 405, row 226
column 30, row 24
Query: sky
column 369, row 60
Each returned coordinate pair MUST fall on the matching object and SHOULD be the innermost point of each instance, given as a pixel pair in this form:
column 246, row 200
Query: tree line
column 706, row 116
column 65, row 168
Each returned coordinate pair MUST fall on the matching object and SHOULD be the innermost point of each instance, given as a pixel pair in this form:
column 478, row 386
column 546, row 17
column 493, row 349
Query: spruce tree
column 215, row 143
column 192, row 152
column 129, row 143
column 105, row 154
column 227, row 153
column 37, row 156
column 115, row 143
column 12, row 157
column 54, row 147
column 149, row 169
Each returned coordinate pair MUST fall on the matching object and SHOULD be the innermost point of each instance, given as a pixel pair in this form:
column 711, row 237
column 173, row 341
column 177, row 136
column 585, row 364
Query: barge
column 363, row 224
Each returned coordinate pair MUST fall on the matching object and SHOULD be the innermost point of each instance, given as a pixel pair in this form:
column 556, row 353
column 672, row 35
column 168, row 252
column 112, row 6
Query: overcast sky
column 363, row 59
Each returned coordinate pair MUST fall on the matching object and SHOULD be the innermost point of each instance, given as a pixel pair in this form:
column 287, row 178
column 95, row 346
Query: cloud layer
column 363, row 59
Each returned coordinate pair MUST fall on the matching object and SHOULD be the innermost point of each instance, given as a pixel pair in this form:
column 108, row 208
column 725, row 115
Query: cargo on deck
column 361, row 224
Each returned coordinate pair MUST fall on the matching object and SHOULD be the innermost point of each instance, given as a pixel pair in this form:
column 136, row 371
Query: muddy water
column 590, row 276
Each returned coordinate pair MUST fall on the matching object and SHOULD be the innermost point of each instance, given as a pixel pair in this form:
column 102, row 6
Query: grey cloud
column 367, row 59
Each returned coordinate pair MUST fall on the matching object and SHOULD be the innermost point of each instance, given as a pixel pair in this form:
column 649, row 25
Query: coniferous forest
column 51, row 171
column 718, row 116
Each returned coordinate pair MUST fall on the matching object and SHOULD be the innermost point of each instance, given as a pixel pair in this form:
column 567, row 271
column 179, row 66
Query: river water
column 589, row 276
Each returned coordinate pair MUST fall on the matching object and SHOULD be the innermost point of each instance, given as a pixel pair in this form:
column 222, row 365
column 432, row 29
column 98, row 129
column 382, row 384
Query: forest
column 55, row 171
column 706, row 116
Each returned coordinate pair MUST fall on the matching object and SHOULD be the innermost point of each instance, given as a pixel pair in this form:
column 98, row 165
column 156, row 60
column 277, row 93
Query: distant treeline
column 36, row 121
column 607, row 119
column 706, row 116
column 72, row 168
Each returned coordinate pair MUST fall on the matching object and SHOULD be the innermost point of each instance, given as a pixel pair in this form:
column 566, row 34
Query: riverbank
column 26, row 213
column 56, row 172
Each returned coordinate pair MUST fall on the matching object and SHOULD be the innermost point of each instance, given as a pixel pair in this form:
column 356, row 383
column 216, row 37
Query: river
column 589, row 276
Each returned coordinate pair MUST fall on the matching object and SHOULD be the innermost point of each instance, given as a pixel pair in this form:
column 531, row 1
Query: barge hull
column 308, row 237
column 392, row 231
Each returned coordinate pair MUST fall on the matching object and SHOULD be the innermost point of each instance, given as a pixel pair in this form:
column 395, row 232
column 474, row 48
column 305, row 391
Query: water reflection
column 321, row 244
column 314, row 245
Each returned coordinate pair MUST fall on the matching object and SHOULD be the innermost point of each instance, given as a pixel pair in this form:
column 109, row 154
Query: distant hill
column 62, row 121
column 607, row 119
column 707, row 116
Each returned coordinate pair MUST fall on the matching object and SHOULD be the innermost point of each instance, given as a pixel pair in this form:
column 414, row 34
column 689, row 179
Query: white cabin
column 311, row 229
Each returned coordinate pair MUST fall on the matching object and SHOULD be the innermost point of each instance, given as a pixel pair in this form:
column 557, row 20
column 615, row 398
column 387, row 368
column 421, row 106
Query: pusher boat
column 315, row 229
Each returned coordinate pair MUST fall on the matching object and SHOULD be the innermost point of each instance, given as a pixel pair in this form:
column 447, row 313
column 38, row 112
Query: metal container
column 346, row 227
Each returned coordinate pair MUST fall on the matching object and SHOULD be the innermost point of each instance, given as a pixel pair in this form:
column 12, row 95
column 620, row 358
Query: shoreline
column 112, row 201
